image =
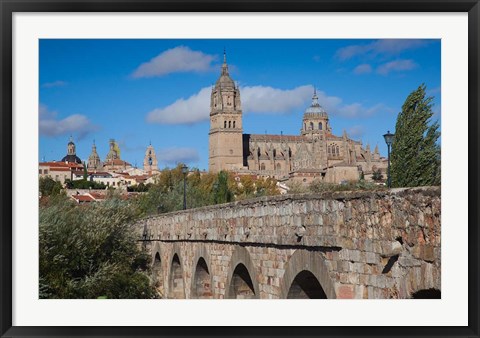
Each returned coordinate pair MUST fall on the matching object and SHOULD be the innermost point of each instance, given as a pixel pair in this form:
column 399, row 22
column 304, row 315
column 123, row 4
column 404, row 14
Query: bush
column 91, row 251
column 48, row 187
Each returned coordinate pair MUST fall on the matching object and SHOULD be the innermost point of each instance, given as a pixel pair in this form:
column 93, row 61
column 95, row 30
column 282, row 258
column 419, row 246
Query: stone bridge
column 381, row 244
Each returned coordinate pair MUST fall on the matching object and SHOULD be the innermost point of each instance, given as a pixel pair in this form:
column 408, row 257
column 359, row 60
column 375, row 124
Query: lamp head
column 388, row 138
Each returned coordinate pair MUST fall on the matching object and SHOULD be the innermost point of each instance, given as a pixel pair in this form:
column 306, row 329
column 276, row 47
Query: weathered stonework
column 383, row 244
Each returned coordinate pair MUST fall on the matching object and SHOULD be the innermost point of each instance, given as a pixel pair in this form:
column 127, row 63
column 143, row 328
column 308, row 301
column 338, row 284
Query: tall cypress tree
column 415, row 156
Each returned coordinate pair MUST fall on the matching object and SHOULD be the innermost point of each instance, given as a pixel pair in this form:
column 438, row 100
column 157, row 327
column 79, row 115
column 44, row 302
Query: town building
column 316, row 153
column 58, row 171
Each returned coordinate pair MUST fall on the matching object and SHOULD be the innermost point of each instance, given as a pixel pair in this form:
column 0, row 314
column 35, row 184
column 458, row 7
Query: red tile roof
column 83, row 198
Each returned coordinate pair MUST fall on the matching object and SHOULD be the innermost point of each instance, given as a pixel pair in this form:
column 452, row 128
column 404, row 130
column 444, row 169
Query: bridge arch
column 242, row 281
column 159, row 269
column 176, row 283
column 202, row 278
column 301, row 271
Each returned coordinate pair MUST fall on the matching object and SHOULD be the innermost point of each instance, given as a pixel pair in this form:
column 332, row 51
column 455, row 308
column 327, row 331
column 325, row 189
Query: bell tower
column 150, row 163
column 94, row 160
column 225, row 136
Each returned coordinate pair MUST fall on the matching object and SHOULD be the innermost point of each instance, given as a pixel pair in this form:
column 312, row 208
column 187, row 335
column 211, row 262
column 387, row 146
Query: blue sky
column 158, row 91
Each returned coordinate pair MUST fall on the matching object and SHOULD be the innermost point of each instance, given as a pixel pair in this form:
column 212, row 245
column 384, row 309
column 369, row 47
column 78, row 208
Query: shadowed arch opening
column 158, row 276
column 427, row 294
column 307, row 275
column 202, row 287
column 241, row 285
column 306, row 286
column 176, row 287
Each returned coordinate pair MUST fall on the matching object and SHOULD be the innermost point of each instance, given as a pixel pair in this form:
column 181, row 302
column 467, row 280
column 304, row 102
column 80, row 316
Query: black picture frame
column 8, row 7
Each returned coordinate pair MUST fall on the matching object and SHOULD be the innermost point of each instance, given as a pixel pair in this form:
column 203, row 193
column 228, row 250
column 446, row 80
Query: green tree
column 223, row 193
column 415, row 156
column 47, row 186
column 85, row 172
column 91, row 251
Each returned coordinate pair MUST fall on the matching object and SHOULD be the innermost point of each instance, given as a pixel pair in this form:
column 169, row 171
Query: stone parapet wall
column 383, row 244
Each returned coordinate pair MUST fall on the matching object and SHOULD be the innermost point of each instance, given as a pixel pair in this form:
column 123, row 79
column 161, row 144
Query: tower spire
column 224, row 66
column 315, row 98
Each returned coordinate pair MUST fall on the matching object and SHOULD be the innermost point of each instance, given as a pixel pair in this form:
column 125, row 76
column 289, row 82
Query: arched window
column 229, row 124
column 225, row 124
column 279, row 167
column 311, row 125
column 338, row 152
column 262, row 166
column 320, row 126
column 233, row 124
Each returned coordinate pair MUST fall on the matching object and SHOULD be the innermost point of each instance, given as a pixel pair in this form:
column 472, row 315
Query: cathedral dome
column 72, row 159
column 315, row 107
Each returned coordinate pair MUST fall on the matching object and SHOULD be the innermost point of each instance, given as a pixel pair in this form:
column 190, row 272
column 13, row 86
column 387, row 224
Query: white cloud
column 382, row 47
column 255, row 99
column 356, row 131
column 178, row 59
column 184, row 111
column 76, row 124
column 396, row 66
column 364, row 68
column 57, row 83
column 178, row 155
column 260, row 100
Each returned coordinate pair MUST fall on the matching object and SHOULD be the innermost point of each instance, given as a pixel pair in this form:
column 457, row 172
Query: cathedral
column 316, row 153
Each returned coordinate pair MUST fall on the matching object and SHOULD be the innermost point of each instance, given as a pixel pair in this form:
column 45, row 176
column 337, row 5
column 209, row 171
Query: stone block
column 372, row 258
column 345, row 291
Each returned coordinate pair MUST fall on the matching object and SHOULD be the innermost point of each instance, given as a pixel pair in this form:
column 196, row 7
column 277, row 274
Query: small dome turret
column 315, row 107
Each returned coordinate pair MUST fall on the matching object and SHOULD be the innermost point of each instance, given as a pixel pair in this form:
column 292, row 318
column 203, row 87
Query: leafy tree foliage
column 223, row 193
column 48, row 186
column 91, row 251
column 377, row 175
column 84, row 184
column 415, row 156
column 142, row 187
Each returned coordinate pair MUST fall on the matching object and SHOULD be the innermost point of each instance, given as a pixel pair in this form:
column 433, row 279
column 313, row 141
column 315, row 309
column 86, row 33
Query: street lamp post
column 184, row 171
column 388, row 139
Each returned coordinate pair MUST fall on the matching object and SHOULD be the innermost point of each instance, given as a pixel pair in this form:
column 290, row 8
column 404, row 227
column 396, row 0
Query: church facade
column 316, row 153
